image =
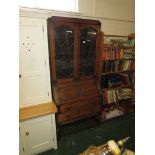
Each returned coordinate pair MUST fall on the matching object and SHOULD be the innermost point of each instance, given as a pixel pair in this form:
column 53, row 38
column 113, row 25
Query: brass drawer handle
column 20, row 75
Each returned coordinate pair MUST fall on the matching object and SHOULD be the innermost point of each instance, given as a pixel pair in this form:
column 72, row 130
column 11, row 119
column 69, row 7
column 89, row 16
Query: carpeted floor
column 116, row 129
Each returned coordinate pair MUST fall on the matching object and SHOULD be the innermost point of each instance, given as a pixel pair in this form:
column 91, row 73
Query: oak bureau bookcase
column 74, row 49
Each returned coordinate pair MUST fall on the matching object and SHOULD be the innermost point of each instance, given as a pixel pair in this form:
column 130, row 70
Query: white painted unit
column 38, row 134
column 21, row 147
column 33, row 62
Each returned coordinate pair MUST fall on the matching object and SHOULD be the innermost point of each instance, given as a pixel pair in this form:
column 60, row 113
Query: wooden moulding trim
column 37, row 111
column 75, row 20
column 115, row 36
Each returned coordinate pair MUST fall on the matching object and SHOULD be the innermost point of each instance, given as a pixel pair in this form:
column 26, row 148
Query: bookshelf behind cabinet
column 118, row 75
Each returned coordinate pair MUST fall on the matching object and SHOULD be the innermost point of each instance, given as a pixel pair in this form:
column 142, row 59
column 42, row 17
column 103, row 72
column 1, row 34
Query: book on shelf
column 127, row 65
column 127, row 78
column 116, row 80
column 129, row 54
column 113, row 80
column 120, row 53
column 125, row 93
column 110, row 66
column 115, row 95
column 110, row 96
column 112, row 53
column 118, row 66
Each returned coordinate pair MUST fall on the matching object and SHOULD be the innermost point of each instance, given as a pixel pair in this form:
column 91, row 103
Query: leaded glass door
column 64, row 52
column 88, row 38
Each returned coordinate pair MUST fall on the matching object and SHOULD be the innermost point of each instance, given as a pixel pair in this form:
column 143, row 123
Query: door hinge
column 53, row 139
column 48, row 93
column 45, row 63
column 43, row 28
column 23, row 149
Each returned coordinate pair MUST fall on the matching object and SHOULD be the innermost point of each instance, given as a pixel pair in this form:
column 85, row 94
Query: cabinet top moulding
column 75, row 20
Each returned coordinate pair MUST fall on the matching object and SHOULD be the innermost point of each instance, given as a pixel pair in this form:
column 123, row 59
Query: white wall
column 116, row 16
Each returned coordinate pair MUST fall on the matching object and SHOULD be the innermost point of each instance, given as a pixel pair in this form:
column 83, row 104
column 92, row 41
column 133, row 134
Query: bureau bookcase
column 75, row 49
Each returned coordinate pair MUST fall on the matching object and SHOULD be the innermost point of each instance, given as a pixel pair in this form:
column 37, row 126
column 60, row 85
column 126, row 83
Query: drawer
column 74, row 91
column 89, row 89
column 79, row 105
column 79, row 110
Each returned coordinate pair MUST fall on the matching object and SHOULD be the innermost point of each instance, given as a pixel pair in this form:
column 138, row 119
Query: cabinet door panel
column 33, row 81
column 87, row 51
column 38, row 134
column 64, row 52
column 21, row 147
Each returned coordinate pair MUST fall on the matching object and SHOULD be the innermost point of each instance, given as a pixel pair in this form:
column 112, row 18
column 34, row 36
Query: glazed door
column 62, row 46
column 88, row 46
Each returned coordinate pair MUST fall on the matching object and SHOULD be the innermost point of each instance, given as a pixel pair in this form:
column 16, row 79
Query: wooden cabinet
column 37, row 135
column 75, row 67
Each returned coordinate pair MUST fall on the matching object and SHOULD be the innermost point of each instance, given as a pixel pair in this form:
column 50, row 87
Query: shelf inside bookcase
column 119, row 87
column 119, row 47
column 113, row 103
column 118, row 59
column 117, row 72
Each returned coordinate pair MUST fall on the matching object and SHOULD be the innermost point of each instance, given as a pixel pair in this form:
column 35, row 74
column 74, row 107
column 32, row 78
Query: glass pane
column 64, row 53
column 87, row 51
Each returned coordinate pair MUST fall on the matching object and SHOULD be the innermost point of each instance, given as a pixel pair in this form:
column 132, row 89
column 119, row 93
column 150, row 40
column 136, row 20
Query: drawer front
column 67, row 93
column 75, row 91
column 89, row 89
column 79, row 110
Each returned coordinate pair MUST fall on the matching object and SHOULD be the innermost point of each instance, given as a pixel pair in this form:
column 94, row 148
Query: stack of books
column 127, row 65
column 110, row 66
column 111, row 80
column 126, row 78
column 129, row 54
column 111, row 96
column 112, row 53
column 115, row 95
column 125, row 93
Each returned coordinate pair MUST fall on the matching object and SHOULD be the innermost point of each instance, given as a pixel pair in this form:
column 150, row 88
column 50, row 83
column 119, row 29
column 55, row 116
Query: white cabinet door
column 33, row 63
column 38, row 134
column 21, row 147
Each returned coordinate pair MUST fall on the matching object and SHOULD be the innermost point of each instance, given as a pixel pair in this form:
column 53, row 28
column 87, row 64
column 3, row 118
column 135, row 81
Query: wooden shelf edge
column 117, row 72
column 34, row 111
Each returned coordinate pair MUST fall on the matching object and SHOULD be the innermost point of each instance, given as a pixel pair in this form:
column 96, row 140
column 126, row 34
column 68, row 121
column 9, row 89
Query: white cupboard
column 37, row 135
column 34, row 75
